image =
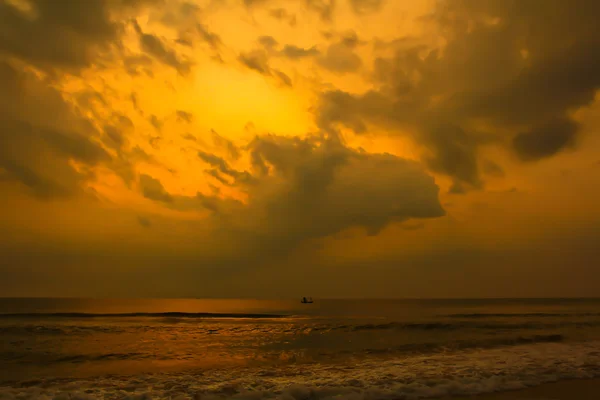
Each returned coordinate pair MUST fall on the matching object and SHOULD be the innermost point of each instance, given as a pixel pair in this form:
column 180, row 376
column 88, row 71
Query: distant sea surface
column 258, row 349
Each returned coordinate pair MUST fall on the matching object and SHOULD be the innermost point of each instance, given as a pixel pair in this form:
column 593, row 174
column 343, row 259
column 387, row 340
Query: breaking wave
column 454, row 374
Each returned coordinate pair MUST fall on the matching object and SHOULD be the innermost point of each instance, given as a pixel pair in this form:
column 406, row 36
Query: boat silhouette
column 306, row 300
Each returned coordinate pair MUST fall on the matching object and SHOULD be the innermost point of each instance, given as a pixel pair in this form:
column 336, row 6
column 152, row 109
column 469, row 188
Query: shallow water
column 374, row 349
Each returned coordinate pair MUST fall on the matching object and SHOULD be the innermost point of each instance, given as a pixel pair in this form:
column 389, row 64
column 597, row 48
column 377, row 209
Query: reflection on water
column 330, row 331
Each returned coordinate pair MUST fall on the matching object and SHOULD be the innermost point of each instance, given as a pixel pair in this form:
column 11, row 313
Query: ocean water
column 256, row 349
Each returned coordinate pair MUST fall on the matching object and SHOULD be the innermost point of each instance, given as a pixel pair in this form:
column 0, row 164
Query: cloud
column 366, row 6
column 510, row 73
column 295, row 52
column 153, row 189
column 184, row 116
column 224, row 143
column 283, row 15
column 545, row 140
column 209, row 37
column 41, row 137
column 295, row 182
column 340, row 57
column 156, row 47
column 189, row 136
column 38, row 36
column 251, row 3
column 258, row 60
column 303, row 189
column 324, row 8
column 268, row 42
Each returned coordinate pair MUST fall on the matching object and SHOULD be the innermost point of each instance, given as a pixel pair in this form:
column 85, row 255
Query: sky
column 284, row 148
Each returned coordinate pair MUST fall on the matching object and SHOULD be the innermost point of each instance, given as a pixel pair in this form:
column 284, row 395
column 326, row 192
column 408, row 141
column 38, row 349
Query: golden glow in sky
column 269, row 148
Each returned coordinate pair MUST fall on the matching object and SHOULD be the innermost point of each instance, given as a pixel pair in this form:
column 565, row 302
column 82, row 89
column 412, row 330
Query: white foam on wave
column 412, row 377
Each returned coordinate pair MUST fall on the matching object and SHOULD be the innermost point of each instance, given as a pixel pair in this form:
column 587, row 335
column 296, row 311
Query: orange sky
column 271, row 148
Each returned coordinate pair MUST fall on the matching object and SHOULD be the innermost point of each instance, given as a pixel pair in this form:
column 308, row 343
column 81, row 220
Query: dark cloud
column 294, row 182
column 156, row 123
column 178, row 14
column 157, row 48
column 184, row 116
column 138, row 64
column 268, row 42
column 39, row 37
column 295, row 52
column 324, row 8
column 152, row 189
column 189, row 136
column 209, row 37
column 340, row 57
column 115, row 132
column 513, row 69
column 221, row 170
column 492, row 169
column 40, row 136
column 224, row 143
column 258, row 61
column 545, row 140
column 282, row 78
column 300, row 181
column 115, row 136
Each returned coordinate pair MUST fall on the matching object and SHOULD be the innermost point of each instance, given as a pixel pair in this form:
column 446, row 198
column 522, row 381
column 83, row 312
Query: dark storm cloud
column 520, row 67
column 40, row 136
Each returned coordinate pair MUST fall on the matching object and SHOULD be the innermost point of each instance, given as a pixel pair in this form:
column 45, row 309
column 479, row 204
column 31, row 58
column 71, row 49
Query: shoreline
column 572, row 389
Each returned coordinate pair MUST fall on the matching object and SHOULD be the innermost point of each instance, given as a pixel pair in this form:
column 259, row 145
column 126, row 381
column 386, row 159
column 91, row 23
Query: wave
column 522, row 315
column 461, row 345
column 462, row 374
column 142, row 315
column 433, row 326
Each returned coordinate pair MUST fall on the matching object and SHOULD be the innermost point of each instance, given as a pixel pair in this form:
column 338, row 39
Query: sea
column 283, row 349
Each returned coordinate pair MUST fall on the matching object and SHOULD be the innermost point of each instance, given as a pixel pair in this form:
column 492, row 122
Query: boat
column 306, row 300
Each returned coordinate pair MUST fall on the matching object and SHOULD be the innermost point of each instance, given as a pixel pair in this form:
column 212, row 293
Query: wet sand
column 565, row 390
